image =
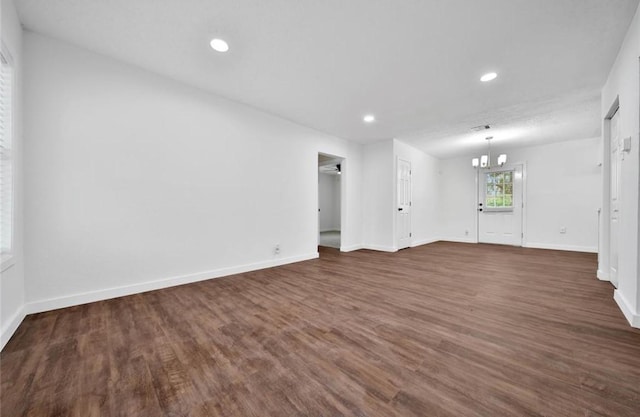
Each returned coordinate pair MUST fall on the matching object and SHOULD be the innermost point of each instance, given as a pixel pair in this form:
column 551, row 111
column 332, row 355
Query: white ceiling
column 415, row 64
column 565, row 117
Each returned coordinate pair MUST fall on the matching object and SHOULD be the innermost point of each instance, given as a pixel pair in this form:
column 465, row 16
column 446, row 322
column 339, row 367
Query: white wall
column 562, row 181
column 424, row 193
column 458, row 201
column 12, row 277
column 135, row 182
column 351, row 204
column 133, row 179
column 329, row 204
column 623, row 83
column 561, row 190
column 378, row 197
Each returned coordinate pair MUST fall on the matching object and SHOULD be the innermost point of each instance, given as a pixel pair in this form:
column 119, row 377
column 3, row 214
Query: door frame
column 396, row 238
column 343, row 197
column 523, row 240
column 606, row 273
column 604, row 241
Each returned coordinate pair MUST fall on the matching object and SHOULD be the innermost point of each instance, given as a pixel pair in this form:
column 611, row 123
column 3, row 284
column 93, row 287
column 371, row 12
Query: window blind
column 6, row 160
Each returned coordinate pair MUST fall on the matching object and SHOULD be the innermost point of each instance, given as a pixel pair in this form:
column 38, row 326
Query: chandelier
column 485, row 160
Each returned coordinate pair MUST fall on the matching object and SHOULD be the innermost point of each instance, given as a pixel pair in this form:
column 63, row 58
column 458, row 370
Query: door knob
column 399, row 208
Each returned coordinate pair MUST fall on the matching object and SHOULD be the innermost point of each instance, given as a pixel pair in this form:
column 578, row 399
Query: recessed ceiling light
column 488, row 77
column 369, row 118
column 219, row 45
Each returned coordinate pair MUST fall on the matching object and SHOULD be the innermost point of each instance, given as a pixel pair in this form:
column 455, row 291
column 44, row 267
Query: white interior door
column 403, row 217
column 500, row 206
column 615, row 166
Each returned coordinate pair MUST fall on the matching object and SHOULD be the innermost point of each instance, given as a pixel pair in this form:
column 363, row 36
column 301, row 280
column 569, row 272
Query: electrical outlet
column 276, row 250
column 563, row 230
column 466, row 233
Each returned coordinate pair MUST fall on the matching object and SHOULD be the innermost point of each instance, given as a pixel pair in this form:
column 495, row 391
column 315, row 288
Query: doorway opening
column 330, row 171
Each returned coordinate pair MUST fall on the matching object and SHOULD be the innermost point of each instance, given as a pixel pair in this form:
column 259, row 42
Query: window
column 6, row 158
column 499, row 190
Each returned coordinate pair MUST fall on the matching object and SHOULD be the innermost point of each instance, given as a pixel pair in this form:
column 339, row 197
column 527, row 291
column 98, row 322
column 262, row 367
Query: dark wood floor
column 441, row 330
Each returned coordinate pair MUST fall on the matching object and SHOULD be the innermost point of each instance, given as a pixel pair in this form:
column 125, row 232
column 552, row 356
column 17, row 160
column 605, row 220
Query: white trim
column 571, row 248
column 389, row 248
column 423, row 241
column 380, row 248
column 498, row 209
column 11, row 327
column 605, row 223
column 350, row 248
column 105, row 294
column 344, row 176
column 632, row 317
column 459, row 239
column 525, row 205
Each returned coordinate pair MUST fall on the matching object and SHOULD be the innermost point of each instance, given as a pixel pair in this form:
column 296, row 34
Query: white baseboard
column 571, row 248
column 105, row 294
column 379, row 248
column 632, row 317
column 387, row 248
column 423, row 241
column 10, row 328
column 459, row 239
column 602, row 275
column 351, row 248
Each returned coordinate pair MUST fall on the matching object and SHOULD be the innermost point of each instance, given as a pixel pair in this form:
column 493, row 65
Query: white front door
column 403, row 216
column 614, row 193
column 500, row 206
